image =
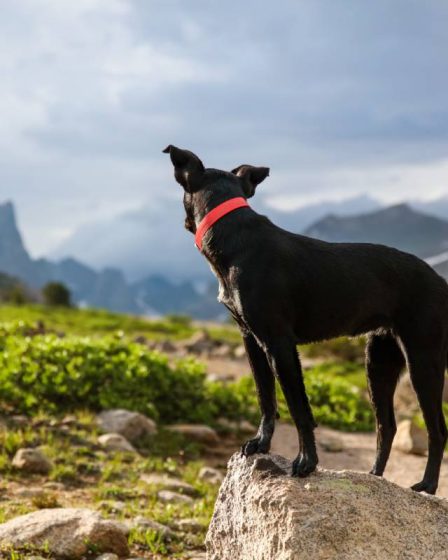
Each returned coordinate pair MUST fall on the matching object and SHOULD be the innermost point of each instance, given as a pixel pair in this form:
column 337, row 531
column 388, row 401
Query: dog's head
column 206, row 188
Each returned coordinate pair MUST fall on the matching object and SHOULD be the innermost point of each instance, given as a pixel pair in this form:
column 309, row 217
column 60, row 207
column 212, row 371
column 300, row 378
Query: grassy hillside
column 97, row 322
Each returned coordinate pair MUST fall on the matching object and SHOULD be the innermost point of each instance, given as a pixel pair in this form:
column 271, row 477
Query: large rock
column 262, row 513
column 410, row 438
column 68, row 533
column 131, row 425
column 31, row 460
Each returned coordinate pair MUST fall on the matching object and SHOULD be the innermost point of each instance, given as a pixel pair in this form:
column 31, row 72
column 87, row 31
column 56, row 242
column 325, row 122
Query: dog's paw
column 304, row 465
column 256, row 445
column 423, row 486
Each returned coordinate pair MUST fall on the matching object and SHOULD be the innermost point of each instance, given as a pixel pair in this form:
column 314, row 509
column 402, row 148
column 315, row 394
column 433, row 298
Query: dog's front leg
column 284, row 359
column 265, row 383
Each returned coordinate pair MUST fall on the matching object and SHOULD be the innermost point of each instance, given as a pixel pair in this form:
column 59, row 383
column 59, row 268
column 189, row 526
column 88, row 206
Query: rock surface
column 411, row 438
column 131, row 425
column 263, row 513
column 65, row 532
column 31, row 460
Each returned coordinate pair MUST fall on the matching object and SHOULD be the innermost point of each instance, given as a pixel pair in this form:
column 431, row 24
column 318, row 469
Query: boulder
column 116, row 442
column 196, row 432
column 262, row 512
column 68, row 533
column 131, row 425
column 410, row 438
column 31, row 460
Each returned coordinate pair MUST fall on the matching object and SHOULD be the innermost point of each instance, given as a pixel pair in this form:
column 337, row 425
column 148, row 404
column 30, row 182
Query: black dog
column 285, row 289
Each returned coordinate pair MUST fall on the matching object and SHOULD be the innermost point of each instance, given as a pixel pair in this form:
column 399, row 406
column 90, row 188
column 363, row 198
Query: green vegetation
column 337, row 394
column 56, row 294
column 99, row 322
column 45, row 372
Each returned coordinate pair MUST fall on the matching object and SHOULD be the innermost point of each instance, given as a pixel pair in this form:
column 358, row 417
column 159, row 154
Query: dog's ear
column 251, row 177
column 188, row 168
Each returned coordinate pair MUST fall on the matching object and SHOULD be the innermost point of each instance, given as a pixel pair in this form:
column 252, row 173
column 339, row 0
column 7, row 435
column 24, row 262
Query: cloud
column 337, row 98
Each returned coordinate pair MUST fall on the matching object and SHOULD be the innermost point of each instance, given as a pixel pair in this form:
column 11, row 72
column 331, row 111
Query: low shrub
column 336, row 401
column 340, row 349
column 45, row 372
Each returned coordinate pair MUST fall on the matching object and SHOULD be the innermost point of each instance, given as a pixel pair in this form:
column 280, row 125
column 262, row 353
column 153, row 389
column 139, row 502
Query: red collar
column 216, row 214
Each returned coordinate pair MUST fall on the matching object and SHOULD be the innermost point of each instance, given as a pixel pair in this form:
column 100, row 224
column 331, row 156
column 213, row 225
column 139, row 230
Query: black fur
column 285, row 289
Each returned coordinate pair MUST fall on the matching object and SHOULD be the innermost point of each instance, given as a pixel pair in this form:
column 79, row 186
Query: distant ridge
column 398, row 226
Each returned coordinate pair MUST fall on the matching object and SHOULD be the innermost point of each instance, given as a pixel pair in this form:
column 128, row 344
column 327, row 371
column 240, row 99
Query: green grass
column 99, row 480
column 87, row 322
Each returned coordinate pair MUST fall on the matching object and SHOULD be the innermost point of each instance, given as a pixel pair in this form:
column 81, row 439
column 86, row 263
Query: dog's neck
column 221, row 243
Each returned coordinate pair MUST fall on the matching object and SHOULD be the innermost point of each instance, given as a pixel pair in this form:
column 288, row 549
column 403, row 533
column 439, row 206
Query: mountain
column 106, row 288
column 398, row 226
column 153, row 241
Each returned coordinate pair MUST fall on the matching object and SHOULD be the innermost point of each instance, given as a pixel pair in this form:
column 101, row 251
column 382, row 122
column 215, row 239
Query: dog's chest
column 229, row 297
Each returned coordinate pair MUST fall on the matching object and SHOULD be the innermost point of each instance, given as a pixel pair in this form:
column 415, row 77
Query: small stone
column 31, row 460
column 116, row 442
column 239, row 352
column 20, row 421
column 226, row 424
column 28, row 492
column 108, row 556
column 222, row 351
column 246, row 427
column 188, row 526
column 52, row 485
column 332, row 444
column 220, row 377
column 208, row 474
column 169, row 483
column 131, row 425
column 410, row 438
column 199, row 343
column 174, row 498
column 196, row 432
column 141, row 522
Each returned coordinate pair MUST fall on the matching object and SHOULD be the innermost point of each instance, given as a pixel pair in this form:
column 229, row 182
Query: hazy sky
column 338, row 98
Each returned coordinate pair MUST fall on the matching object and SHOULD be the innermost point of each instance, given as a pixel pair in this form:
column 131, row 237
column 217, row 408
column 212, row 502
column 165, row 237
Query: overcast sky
column 338, row 98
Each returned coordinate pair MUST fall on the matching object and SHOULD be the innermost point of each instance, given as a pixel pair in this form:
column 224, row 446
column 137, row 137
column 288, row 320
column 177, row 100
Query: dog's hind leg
column 384, row 362
column 265, row 383
column 283, row 357
column 427, row 368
